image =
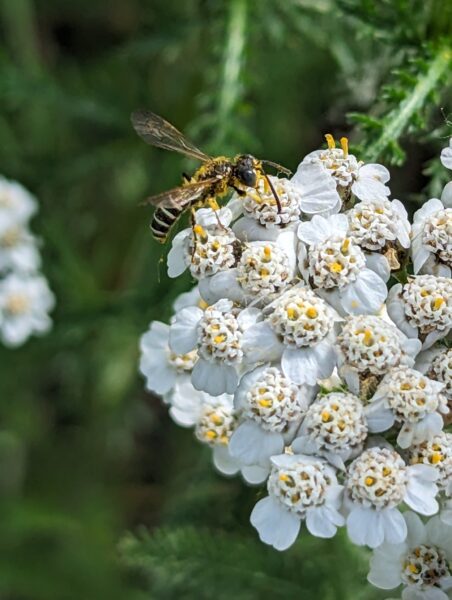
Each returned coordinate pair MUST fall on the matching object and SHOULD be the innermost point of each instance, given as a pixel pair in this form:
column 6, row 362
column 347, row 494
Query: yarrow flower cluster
column 25, row 297
column 314, row 356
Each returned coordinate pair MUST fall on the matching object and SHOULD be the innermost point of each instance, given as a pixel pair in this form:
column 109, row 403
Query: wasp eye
column 248, row 177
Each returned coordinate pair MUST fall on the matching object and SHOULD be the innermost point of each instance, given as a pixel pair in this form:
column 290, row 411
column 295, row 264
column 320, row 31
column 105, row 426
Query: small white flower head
column 18, row 248
column 263, row 269
column 216, row 334
column 422, row 563
column 261, row 205
column 331, row 262
column 436, row 363
column 160, row 366
column 446, row 155
column 432, row 239
column 300, row 488
column 371, row 345
column 334, row 427
column 377, row 224
column 213, row 419
column 271, row 408
column 299, row 329
column 377, row 482
column 25, row 302
column 422, row 307
column 438, row 453
column 366, row 182
column 409, row 398
column 16, row 202
column 207, row 247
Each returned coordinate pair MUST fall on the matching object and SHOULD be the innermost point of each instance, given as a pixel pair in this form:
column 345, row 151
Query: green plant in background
column 84, row 455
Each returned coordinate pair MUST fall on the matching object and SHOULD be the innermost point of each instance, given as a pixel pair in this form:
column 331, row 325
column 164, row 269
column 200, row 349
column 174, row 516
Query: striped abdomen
column 163, row 220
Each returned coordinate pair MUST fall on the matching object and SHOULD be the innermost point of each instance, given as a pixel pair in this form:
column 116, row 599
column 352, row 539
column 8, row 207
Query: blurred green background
column 101, row 495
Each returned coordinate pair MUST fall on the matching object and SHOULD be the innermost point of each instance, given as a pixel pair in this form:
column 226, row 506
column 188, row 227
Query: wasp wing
column 181, row 197
column 154, row 130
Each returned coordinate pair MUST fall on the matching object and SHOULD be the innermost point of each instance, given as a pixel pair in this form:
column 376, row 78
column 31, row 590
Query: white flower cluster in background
column 25, row 297
column 313, row 356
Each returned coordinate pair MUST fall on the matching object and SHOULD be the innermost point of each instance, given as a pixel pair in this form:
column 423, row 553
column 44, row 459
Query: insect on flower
column 212, row 180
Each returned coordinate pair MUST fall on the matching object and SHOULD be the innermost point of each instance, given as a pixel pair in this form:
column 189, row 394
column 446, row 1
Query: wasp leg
column 195, row 239
column 214, row 206
column 239, row 191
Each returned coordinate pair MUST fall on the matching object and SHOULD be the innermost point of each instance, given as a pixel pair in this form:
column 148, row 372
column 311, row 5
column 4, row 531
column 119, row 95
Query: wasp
column 211, row 181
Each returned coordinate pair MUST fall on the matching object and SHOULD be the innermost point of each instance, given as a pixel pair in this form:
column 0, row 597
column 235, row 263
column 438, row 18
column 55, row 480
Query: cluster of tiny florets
column 313, row 357
column 25, row 297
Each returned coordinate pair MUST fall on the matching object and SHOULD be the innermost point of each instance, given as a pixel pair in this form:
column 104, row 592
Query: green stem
column 20, row 31
column 398, row 121
column 233, row 61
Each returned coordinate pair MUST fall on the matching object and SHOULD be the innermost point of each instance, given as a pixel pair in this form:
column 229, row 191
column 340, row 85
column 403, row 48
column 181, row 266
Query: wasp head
column 245, row 170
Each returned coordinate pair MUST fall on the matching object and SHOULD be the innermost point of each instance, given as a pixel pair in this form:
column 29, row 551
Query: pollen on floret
column 312, row 312
column 345, row 245
column 344, row 146
column 369, row 481
column 218, row 339
column 336, row 267
column 330, row 141
column 438, row 303
column 267, row 253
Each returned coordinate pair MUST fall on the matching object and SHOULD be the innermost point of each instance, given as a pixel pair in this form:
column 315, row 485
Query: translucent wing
column 182, row 196
column 154, row 130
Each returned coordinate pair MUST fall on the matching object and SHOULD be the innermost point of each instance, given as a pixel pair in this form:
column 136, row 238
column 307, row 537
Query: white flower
column 438, row 453
column 422, row 307
column 158, row 364
column 15, row 202
column 264, row 269
column 334, row 427
column 336, row 267
column 366, row 182
column 261, row 206
column 422, row 562
column 436, row 363
column 214, row 420
column 271, row 409
column 370, row 345
column 299, row 488
column 446, row 155
column 25, row 302
column 432, row 239
column 191, row 298
column 217, row 334
column 376, row 224
column 299, row 329
column 377, row 482
column 18, row 248
column 207, row 247
column 407, row 397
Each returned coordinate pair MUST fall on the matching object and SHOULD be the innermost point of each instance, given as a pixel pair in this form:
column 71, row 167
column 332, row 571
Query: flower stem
column 399, row 119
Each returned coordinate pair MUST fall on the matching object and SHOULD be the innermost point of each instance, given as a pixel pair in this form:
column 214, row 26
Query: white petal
column 318, row 188
column 364, row 527
column 213, row 378
column 183, row 335
column 446, row 196
column 260, row 343
column 446, row 157
column 413, row 593
column 248, row 317
column 319, row 228
column 275, row 525
column 249, row 230
column 176, row 256
column 223, row 461
column 186, row 299
column 255, row 475
column 394, row 525
column 419, row 253
column 252, row 445
column 365, row 295
column 378, row 417
column 420, row 495
column 416, row 532
column 319, row 523
column 385, row 571
column 440, row 534
column 246, row 382
column 379, row 264
column 221, row 285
